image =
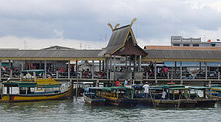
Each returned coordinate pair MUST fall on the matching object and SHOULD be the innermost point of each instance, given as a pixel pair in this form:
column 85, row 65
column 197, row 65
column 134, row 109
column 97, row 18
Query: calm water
column 76, row 110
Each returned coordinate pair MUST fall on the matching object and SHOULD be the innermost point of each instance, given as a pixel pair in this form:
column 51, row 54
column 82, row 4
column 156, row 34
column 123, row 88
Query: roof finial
column 110, row 26
column 132, row 22
column 116, row 25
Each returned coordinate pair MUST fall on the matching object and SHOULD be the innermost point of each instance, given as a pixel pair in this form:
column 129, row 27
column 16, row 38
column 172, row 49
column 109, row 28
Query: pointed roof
column 57, row 48
column 118, row 40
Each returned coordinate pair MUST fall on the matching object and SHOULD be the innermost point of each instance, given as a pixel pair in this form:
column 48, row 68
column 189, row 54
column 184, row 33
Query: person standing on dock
column 146, row 90
column 117, row 82
column 125, row 82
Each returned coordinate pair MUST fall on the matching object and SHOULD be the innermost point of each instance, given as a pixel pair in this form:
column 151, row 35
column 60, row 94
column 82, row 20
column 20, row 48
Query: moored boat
column 34, row 90
column 175, row 96
column 203, row 100
column 118, row 96
column 91, row 96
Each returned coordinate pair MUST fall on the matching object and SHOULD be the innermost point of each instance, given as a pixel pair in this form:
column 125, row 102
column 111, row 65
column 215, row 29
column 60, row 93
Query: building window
column 195, row 45
column 176, row 45
column 186, row 45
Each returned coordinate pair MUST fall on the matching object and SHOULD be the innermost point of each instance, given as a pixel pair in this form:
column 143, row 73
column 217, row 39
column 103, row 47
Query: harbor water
column 76, row 110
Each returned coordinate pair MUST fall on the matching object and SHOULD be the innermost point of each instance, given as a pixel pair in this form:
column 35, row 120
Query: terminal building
column 121, row 59
column 193, row 42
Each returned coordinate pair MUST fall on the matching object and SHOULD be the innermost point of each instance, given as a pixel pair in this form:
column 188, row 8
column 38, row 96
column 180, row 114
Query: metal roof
column 183, row 54
column 117, row 39
column 7, row 54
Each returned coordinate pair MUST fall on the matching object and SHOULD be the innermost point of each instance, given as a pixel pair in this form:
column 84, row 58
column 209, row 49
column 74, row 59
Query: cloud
column 35, row 43
column 71, row 20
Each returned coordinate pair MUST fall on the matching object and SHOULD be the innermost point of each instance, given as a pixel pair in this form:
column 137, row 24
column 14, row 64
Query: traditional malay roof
column 121, row 37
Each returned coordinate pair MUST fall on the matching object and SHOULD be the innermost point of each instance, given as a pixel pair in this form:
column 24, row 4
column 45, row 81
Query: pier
column 121, row 59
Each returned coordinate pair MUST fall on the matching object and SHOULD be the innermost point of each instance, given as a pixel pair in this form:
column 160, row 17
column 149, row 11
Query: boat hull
column 37, row 97
column 123, row 102
column 174, row 103
column 94, row 100
column 206, row 102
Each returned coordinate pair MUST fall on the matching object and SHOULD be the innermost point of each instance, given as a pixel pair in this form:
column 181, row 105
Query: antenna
column 25, row 45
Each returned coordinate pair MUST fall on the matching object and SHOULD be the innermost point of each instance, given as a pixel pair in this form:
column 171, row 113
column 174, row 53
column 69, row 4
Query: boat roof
column 120, row 88
column 95, row 88
column 44, row 83
column 167, row 86
column 216, row 88
column 198, row 87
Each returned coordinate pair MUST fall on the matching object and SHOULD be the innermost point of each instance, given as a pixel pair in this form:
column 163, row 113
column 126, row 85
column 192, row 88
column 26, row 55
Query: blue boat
column 92, row 97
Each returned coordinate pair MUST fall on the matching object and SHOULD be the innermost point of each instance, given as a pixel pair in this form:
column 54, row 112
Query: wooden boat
column 34, row 90
column 176, row 96
column 204, row 100
column 182, row 96
column 91, row 96
column 118, row 96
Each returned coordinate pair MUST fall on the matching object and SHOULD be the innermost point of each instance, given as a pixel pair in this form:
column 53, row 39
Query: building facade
column 192, row 42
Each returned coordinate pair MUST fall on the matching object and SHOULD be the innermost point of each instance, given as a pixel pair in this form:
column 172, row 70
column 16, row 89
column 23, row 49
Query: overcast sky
column 34, row 24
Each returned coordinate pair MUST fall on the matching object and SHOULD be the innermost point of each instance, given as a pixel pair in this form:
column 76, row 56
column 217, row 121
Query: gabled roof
column 118, row 40
column 58, row 48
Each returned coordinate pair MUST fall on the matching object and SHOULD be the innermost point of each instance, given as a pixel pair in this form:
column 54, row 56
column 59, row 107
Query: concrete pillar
column 103, row 65
column 218, row 75
column 9, row 64
column 45, row 68
column 34, row 74
column 110, row 60
column 10, row 73
column 200, row 67
column 56, row 74
column 155, row 70
column 126, row 62
column 206, row 70
column 107, row 67
column 0, row 70
column 22, row 65
column 99, row 65
column 175, row 68
column 69, row 66
column 130, row 65
column 140, row 63
column 181, row 70
column 114, row 68
column 135, row 63
column 92, row 70
column 76, row 64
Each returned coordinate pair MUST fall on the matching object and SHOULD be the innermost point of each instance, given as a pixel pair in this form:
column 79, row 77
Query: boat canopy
column 43, row 83
column 167, row 86
column 216, row 88
column 116, row 88
column 199, row 87
column 20, row 84
column 47, row 83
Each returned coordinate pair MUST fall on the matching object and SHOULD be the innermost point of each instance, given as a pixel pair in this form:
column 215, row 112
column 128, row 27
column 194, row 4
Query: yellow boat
column 34, row 90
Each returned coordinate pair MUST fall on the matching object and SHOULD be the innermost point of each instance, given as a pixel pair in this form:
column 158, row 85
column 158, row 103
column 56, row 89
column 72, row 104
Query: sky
column 82, row 24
